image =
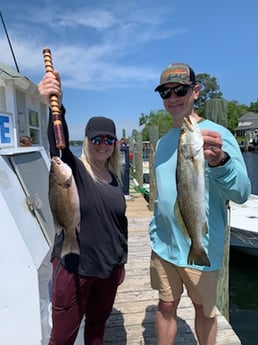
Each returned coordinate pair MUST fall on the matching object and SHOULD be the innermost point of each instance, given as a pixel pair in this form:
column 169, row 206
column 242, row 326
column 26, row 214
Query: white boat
column 244, row 226
column 27, row 229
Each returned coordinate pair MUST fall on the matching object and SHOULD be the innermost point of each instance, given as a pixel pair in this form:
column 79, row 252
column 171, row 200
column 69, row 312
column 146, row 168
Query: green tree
column 235, row 110
column 209, row 89
column 160, row 118
column 254, row 107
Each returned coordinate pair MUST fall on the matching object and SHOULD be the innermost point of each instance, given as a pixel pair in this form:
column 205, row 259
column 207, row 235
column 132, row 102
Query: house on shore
column 248, row 128
column 247, row 125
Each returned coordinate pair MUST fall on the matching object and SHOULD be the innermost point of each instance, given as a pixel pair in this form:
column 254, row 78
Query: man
column 225, row 179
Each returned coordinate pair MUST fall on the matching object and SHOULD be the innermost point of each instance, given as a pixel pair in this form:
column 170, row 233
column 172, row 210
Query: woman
column 86, row 285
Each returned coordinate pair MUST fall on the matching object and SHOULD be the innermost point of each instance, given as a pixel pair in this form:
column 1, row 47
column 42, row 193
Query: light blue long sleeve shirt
column 222, row 183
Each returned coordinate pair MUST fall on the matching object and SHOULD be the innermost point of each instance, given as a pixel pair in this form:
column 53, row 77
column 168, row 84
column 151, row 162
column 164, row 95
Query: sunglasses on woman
column 103, row 139
column 180, row 91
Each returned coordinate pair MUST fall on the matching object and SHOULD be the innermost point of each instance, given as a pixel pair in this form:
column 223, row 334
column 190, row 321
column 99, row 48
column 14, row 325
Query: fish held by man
column 64, row 205
column 190, row 176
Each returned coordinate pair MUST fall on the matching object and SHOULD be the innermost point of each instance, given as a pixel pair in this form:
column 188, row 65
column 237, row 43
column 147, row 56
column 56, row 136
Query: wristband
column 224, row 160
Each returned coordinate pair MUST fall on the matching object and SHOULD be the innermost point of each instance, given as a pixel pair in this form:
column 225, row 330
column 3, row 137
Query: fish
column 64, row 204
column 190, row 180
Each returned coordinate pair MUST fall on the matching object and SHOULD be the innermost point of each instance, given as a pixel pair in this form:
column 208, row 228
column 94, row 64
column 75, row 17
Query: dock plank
column 132, row 321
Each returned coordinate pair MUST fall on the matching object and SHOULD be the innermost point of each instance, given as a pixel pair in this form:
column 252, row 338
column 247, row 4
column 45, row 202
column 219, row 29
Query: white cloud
column 92, row 46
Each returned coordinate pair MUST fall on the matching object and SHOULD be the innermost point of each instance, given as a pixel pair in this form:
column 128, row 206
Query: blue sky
column 110, row 53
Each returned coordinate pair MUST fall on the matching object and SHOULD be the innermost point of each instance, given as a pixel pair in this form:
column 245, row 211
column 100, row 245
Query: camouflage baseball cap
column 177, row 73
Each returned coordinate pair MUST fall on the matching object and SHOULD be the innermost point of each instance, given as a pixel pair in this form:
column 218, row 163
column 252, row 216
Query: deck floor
column 132, row 319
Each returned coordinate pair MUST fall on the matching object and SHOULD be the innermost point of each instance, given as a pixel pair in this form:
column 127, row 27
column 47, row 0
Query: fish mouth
column 57, row 160
column 189, row 123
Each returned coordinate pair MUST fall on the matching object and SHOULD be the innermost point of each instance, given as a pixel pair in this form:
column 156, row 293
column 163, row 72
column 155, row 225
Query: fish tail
column 198, row 257
column 70, row 246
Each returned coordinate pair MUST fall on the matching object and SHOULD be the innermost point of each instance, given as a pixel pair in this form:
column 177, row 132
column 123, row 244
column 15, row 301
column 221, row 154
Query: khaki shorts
column 169, row 280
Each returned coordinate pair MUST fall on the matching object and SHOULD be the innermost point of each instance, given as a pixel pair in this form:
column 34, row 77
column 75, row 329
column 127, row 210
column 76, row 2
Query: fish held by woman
column 64, row 205
column 190, row 176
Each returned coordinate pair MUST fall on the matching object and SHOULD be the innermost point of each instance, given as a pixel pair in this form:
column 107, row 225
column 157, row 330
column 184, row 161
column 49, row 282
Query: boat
column 27, row 230
column 250, row 145
column 244, row 226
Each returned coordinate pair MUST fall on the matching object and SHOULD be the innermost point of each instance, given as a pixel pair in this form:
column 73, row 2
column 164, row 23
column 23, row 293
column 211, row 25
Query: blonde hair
column 112, row 164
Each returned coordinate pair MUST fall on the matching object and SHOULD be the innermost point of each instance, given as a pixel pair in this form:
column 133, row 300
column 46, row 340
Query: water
column 77, row 150
column 243, row 278
column 243, row 296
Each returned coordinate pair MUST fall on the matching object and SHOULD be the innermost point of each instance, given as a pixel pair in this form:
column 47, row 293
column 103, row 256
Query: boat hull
column 244, row 241
column 244, row 226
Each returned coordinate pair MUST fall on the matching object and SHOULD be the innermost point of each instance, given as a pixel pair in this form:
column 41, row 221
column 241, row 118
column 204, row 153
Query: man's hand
column 212, row 147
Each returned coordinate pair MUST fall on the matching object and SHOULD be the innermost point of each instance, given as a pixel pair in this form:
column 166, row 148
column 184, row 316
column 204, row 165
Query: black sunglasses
column 180, row 91
column 103, row 138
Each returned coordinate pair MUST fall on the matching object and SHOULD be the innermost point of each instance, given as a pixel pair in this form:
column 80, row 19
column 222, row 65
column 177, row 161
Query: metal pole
column 10, row 45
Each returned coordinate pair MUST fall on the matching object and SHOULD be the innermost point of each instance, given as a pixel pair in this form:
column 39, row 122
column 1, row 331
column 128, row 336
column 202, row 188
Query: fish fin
column 70, row 245
column 78, row 227
column 205, row 228
column 198, row 257
column 58, row 228
column 180, row 220
column 196, row 166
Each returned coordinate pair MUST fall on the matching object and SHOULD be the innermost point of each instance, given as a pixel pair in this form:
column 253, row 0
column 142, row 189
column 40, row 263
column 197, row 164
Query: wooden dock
column 132, row 321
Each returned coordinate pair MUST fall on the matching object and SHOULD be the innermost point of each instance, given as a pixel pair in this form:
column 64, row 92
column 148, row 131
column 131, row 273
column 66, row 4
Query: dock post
column 223, row 283
column 154, row 136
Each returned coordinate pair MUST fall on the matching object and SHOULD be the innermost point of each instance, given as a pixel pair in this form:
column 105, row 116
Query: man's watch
column 224, row 160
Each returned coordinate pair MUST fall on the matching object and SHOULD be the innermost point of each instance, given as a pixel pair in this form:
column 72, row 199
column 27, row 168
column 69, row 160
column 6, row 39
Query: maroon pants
column 74, row 296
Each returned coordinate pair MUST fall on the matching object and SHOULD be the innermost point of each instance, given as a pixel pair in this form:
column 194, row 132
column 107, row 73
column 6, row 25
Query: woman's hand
column 50, row 85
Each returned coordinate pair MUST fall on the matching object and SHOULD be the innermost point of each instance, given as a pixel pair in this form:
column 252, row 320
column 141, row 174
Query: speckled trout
column 190, row 177
column 64, row 204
